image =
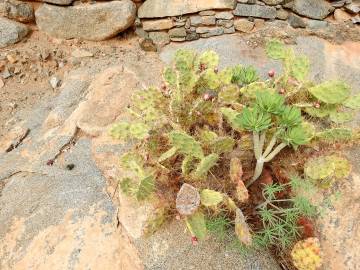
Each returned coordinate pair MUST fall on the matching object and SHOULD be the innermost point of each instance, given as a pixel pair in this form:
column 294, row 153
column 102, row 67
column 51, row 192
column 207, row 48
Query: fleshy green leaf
column 233, row 117
column 335, row 134
column 300, row 68
column 341, row 117
column 120, row 131
column 270, row 102
column 275, row 49
column 210, row 197
column 331, row 92
column 170, row 77
column 229, row 94
column 254, row 119
column 197, row 225
column 168, row 154
column 186, row 144
column 145, row 188
column 353, row 102
column 205, row 165
column 139, row 131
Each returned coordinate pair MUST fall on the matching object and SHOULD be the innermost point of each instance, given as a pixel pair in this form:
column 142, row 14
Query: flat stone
column 192, row 36
column 11, row 32
column 177, row 32
column 195, row 20
column 99, row 21
column 208, row 20
column 356, row 20
column 225, row 15
column 314, row 9
column 16, row 10
column 296, row 21
column 178, row 39
column 229, row 30
column 159, row 38
column 282, row 14
column 338, row 3
column 59, row 2
column 225, row 23
column 167, row 8
column 257, row 11
column 353, row 8
column 80, row 53
column 55, row 82
column 273, row 2
column 244, row 25
column 187, row 200
column 214, row 31
column 341, row 16
column 155, row 25
column 316, row 24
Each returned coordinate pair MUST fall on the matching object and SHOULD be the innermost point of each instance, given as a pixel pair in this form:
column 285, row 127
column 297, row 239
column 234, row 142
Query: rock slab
column 90, row 22
column 11, row 32
column 167, row 8
column 314, row 9
column 257, row 11
column 16, row 10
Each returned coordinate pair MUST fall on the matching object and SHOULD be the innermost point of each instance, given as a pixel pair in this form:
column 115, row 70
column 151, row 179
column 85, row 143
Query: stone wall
column 159, row 22
column 163, row 21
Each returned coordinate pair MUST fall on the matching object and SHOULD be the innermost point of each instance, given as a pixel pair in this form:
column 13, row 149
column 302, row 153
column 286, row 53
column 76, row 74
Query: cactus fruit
column 210, row 197
column 306, row 254
column 186, row 144
column 331, row 92
column 197, row 225
column 187, row 200
column 205, row 165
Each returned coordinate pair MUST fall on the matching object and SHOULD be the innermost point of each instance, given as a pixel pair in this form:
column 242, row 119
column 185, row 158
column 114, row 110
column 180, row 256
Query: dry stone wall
column 159, row 22
column 163, row 21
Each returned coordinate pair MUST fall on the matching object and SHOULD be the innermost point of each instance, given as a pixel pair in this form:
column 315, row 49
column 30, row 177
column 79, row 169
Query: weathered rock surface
column 155, row 25
column 296, row 21
column 315, row 9
column 90, row 22
column 257, row 11
column 244, row 25
column 11, row 32
column 166, row 8
column 59, row 2
column 16, row 10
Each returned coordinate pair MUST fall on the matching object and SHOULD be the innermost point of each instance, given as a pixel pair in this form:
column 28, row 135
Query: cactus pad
column 209, row 59
column 210, row 197
column 223, row 145
column 242, row 230
column 275, row 49
column 120, row 131
column 229, row 94
column 306, row 254
column 353, row 102
column 300, row 68
column 331, row 92
column 335, row 135
column 186, row 144
column 205, row 165
column 196, row 225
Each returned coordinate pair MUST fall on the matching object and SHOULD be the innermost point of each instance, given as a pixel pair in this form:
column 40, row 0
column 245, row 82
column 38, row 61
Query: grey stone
column 225, row 23
column 338, row 3
column 273, row 2
column 11, row 32
column 356, row 20
column 192, row 36
column 177, row 33
column 211, row 32
column 225, row 15
column 314, row 9
column 296, row 21
column 208, row 20
column 139, row 31
column 147, row 45
column 195, row 20
column 353, row 8
column 16, row 10
column 167, row 8
column 90, row 22
column 160, row 38
column 316, row 24
column 59, row 2
column 258, row 11
column 282, row 14
column 229, row 30
column 6, row 74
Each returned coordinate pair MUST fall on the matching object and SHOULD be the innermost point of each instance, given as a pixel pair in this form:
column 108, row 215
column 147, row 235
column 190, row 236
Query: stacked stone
column 163, row 21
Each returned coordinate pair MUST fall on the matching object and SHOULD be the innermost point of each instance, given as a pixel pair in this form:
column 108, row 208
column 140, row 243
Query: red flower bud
column 194, row 240
column 317, row 105
column 271, row 73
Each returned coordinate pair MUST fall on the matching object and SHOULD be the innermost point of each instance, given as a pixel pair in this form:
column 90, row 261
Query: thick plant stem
column 256, row 140
column 276, row 151
column 270, row 145
column 258, row 170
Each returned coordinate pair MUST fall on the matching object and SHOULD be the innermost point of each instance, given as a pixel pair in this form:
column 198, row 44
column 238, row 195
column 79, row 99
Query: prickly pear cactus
column 208, row 59
column 242, row 229
column 335, row 135
column 306, row 254
column 223, row 145
column 186, row 144
column 210, row 197
column 331, row 92
column 205, row 165
column 196, row 225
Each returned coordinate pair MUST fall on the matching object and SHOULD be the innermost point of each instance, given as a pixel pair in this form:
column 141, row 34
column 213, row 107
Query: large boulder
column 165, row 8
column 11, row 32
column 90, row 22
column 315, row 9
column 16, row 10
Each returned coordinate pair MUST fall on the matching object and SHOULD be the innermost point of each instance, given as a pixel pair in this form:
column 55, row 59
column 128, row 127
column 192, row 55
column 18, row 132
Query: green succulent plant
column 244, row 75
